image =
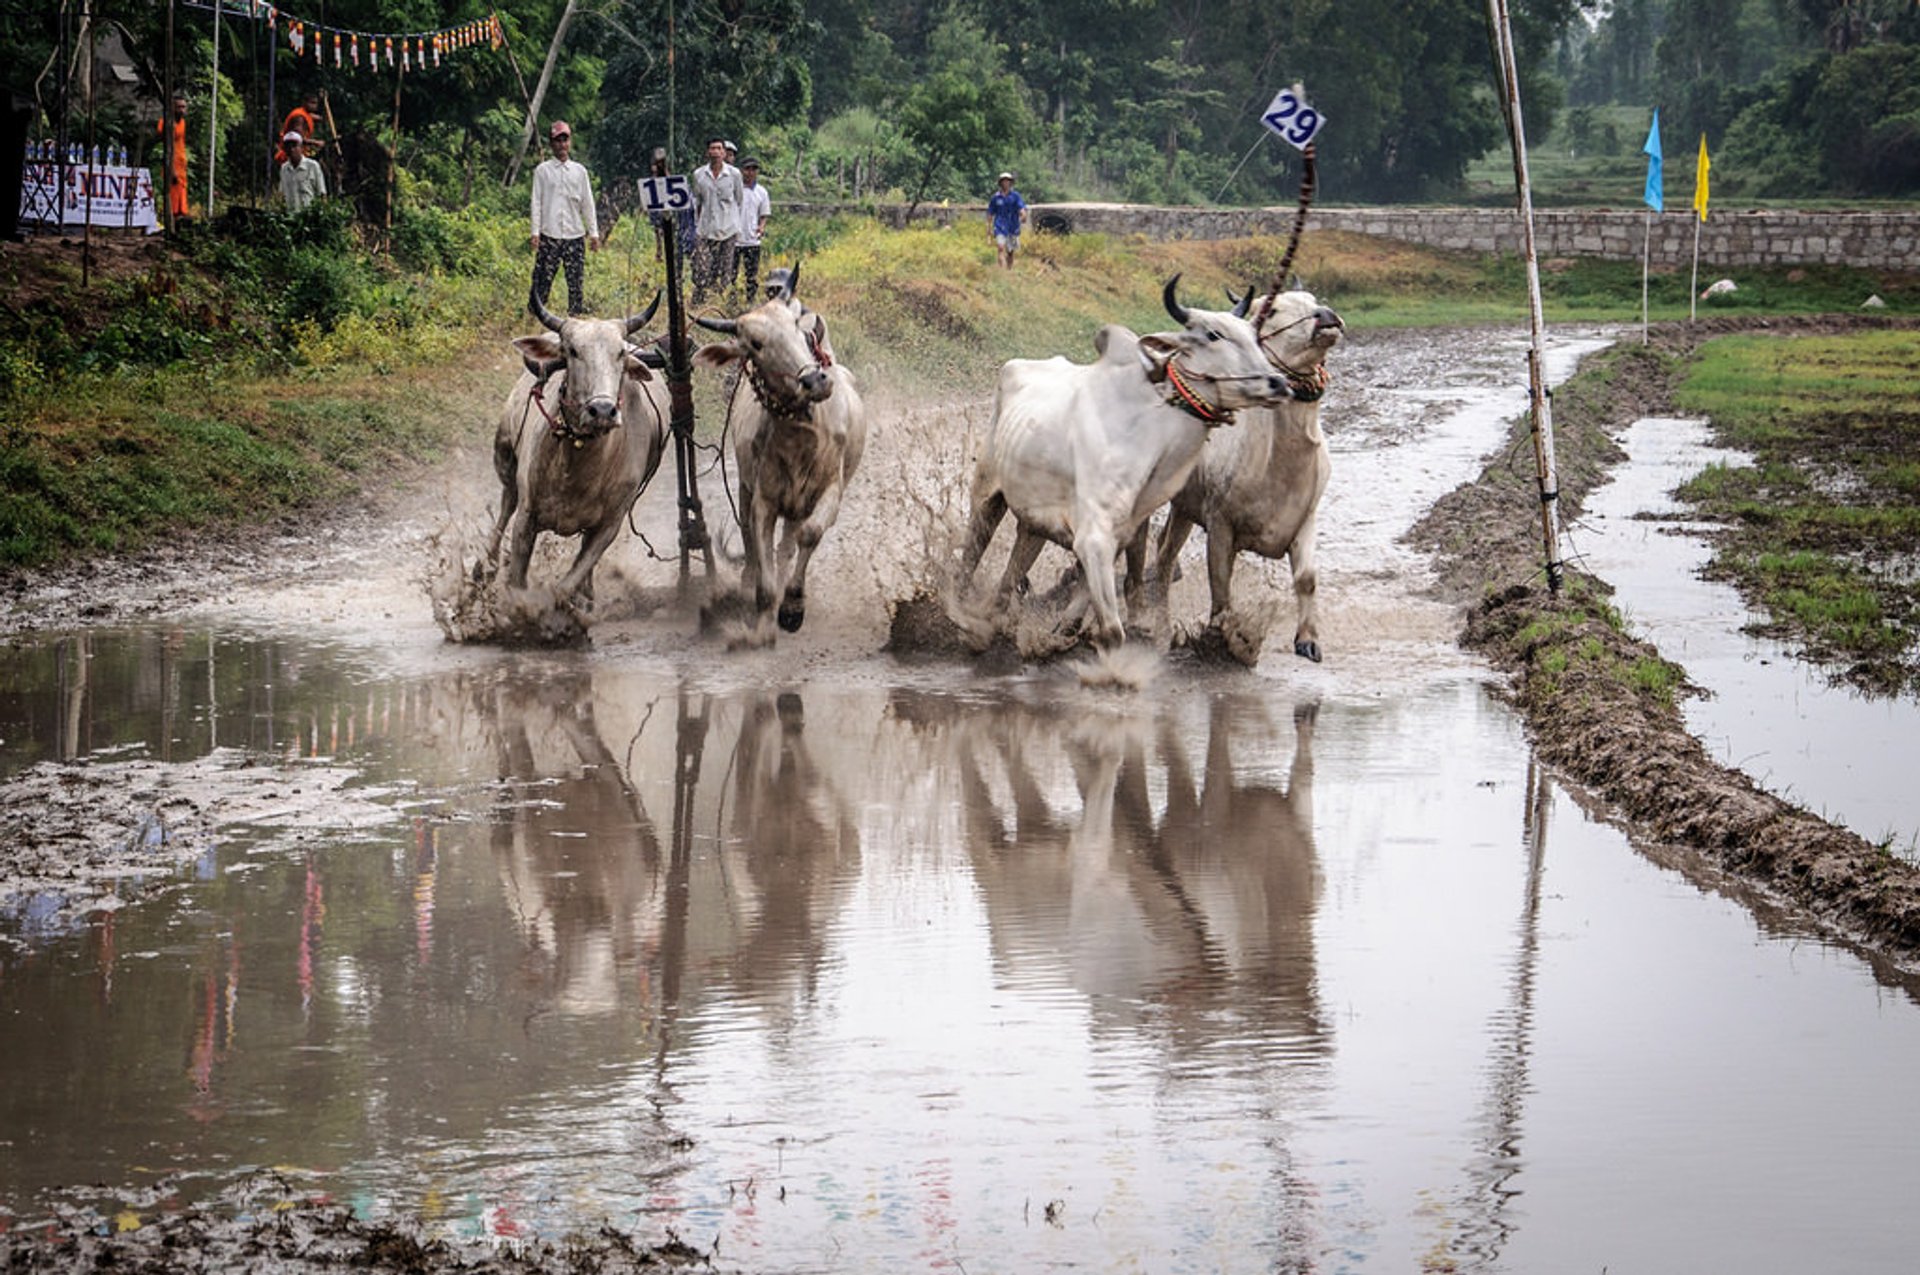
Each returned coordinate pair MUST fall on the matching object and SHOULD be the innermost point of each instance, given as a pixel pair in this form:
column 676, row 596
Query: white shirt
column 563, row 201
column 716, row 202
column 755, row 206
column 302, row 183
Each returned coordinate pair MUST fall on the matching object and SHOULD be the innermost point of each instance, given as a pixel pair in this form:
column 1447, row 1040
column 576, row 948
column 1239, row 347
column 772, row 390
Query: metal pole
column 166, row 128
column 1646, row 260
column 273, row 102
column 90, row 164
column 1538, row 394
column 213, row 111
column 1693, row 289
column 693, row 526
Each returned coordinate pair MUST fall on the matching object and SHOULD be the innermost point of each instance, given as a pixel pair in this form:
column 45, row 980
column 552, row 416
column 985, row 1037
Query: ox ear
column 1155, row 352
column 543, row 355
column 636, row 367
column 716, row 354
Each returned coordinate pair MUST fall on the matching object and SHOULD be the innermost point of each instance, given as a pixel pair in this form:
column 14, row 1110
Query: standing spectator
column 1006, row 214
column 564, row 222
column 177, row 188
column 755, row 206
column 301, row 179
column 717, row 196
column 303, row 119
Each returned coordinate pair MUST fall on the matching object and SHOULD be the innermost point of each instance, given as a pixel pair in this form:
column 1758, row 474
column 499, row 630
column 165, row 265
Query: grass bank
column 1822, row 531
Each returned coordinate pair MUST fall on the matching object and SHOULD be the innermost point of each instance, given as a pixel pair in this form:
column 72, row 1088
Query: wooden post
column 1541, row 400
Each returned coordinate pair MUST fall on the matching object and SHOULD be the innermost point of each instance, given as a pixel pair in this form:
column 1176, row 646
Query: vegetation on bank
column 1822, row 531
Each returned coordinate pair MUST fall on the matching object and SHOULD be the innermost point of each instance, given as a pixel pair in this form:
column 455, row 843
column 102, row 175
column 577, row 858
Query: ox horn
column 727, row 326
column 793, row 280
column 1241, row 304
column 1174, row 308
column 637, row 321
column 541, row 312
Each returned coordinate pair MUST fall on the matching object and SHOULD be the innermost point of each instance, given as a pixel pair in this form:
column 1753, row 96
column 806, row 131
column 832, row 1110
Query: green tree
column 704, row 68
column 967, row 111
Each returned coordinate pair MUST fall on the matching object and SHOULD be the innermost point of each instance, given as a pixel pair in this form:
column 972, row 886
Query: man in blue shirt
column 1006, row 214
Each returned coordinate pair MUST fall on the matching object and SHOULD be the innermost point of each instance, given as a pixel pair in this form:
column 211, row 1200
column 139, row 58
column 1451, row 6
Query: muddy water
column 1842, row 754
column 827, row 962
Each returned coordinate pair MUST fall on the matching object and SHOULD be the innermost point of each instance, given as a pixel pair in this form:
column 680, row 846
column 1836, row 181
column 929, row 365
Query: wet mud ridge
column 265, row 1225
column 1626, row 744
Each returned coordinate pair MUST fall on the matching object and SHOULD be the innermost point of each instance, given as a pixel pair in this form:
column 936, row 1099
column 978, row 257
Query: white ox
column 580, row 436
column 799, row 429
column 1258, row 487
column 1083, row 454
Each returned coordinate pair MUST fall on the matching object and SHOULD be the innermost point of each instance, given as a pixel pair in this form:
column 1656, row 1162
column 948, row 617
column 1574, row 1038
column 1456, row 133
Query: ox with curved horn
column 1257, row 488
column 553, row 322
column 799, row 432
column 1082, row 455
column 580, row 436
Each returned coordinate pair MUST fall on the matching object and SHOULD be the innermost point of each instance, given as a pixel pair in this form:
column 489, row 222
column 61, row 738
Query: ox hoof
column 1307, row 649
column 793, row 614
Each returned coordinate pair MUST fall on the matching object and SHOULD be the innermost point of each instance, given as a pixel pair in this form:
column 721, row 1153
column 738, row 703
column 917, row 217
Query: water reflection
column 579, row 860
column 882, row 976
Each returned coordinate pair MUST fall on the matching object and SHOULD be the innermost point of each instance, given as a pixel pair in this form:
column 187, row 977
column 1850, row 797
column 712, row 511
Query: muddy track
column 1626, row 746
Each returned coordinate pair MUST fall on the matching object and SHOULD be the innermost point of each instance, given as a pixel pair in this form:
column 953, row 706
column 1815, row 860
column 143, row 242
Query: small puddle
column 821, row 962
column 1824, row 745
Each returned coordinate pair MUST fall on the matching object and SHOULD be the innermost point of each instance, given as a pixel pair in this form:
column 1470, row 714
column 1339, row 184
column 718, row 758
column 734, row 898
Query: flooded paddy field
column 812, row 958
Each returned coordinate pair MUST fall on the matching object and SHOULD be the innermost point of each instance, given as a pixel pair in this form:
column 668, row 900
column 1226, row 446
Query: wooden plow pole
column 693, row 524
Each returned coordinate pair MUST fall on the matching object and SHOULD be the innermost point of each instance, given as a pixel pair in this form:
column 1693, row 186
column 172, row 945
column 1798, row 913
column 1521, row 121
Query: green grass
column 1823, row 533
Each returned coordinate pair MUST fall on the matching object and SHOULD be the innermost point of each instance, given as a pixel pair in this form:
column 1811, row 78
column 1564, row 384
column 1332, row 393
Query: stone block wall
column 1872, row 240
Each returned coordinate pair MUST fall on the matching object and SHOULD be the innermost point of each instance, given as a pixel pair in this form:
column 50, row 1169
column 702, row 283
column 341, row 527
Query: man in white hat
column 302, row 180
column 565, row 224
column 1006, row 214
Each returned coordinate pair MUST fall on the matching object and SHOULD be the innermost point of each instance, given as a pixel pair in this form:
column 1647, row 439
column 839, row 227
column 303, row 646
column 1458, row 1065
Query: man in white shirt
column 564, row 222
column 755, row 206
column 302, row 180
column 717, row 196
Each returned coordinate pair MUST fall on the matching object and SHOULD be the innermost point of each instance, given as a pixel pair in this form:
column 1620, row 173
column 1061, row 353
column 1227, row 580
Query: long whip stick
column 1293, row 244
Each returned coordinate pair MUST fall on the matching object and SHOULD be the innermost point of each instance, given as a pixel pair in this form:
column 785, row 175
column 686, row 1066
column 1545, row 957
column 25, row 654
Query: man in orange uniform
column 177, row 195
column 303, row 120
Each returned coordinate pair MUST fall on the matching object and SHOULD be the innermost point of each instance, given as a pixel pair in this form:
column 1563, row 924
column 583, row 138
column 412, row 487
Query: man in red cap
column 564, row 223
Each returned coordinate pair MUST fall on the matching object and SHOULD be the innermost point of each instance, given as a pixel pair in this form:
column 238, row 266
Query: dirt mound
column 1573, row 668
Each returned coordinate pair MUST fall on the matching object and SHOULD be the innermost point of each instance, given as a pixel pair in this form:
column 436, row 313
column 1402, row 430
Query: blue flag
column 1652, row 148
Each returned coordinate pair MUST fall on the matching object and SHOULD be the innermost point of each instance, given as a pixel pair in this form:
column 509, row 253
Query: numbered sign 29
column 670, row 194
column 1290, row 116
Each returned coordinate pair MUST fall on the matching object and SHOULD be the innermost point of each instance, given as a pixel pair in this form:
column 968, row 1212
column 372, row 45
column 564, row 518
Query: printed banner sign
column 119, row 196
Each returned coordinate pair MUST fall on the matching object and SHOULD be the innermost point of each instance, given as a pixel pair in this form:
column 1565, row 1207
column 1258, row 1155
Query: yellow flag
column 1700, row 180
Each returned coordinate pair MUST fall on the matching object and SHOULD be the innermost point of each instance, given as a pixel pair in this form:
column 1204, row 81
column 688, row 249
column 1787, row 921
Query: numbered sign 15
column 669, row 194
column 1290, row 116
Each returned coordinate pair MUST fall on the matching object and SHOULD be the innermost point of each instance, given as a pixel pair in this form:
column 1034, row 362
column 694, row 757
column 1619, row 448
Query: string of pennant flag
column 367, row 50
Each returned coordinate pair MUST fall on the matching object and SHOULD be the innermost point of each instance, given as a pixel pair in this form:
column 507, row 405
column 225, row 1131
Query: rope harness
column 567, row 425
column 791, row 406
column 1191, row 403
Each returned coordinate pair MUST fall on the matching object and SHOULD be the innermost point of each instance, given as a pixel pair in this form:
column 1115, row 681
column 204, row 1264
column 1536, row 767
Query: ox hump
column 1116, row 344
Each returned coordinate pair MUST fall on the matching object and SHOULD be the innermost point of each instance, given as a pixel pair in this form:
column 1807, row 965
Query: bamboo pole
column 1538, row 396
column 540, row 93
